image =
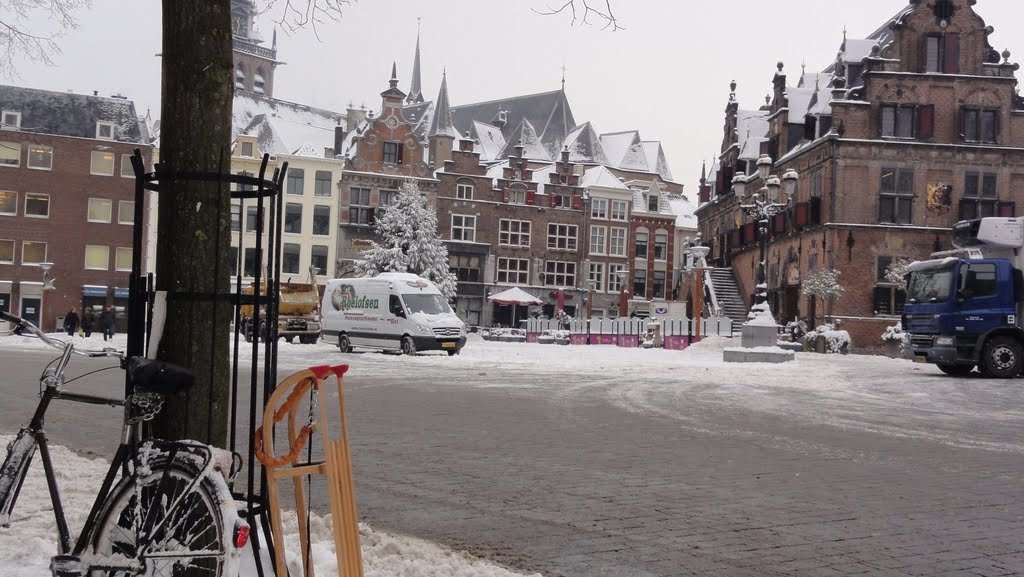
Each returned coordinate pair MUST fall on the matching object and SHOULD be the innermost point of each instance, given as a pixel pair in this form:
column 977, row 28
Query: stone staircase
column 729, row 299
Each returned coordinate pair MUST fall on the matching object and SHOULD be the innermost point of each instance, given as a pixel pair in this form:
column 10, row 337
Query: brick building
column 66, row 197
column 911, row 129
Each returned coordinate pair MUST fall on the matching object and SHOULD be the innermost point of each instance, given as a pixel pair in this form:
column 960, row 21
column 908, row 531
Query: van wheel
column 291, row 340
column 1001, row 358
column 452, row 353
column 408, row 346
column 344, row 344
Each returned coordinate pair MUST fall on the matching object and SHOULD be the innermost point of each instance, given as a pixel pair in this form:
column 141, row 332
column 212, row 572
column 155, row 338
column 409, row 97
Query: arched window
column 240, row 76
column 258, row 85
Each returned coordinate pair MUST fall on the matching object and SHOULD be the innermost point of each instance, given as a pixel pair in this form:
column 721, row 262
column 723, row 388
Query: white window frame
column 28, row 159
column 100, row 125
column 110, row 210
column 118, row 251
column 33, row 263
column 617, row 242
column 15, row 213
column 596, row 274
column 36, row 194
column 468, row 224
column 464, row 191
column 619, row 210
column 92, row 163
column 516, row 196
column 17, row 158
column 13, row 251
column 522, row 275
column 17, row 119
column 599, row 208
column 505, row 236
column 96, row 246
column 571, row 237
column 598, row 240
column 126, row 165
column 614, row 281
column 551, row 274
column 131, row 212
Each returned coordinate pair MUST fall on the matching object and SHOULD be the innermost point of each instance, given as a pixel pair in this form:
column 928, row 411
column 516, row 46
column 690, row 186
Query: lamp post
column 47, row 286
column 623, row 292
column 763, row 205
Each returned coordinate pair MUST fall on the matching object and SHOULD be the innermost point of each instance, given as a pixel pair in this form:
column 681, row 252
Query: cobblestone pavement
column 577, row 486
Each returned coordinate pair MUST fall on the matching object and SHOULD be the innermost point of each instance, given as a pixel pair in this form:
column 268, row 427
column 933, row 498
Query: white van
column 391, row 312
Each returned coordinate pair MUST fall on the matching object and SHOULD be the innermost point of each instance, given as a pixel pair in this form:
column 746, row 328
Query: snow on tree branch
column 19, row 40
column 591, row 9
column 823, row 283
column 407, row 241
column 896, row 273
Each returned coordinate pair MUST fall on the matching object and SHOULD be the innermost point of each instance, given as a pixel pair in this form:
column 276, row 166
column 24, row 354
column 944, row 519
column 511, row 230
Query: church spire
column 441, row 124
column 415, row 87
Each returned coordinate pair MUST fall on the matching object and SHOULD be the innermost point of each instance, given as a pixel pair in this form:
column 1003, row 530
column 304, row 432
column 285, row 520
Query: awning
column 5, row 286
column 30, row 288
column 515, row 296
column 90, row 290
column 120, row 293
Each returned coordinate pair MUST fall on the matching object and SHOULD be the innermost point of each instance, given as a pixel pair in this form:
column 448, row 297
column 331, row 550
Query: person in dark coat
column 107, row 321
column 88, row 321
column 71, row 322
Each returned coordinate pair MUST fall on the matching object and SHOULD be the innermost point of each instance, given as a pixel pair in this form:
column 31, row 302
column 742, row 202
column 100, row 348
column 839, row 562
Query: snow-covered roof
column 751, row 131
column 526, row 135
column 601, row 176
column 655, row 156
column 585, row 145
column 70, row 114
column 542, row 176
column 496, row 171
column 640, row 200
column 857, row 50
column 491, row 141
column 616, row 145
column 683, row 209
column 283, row 127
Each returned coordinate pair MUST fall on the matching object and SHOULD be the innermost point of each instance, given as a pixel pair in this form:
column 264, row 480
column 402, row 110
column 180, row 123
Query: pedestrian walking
column 107, row 321
column 71, row 322
column 88, row 321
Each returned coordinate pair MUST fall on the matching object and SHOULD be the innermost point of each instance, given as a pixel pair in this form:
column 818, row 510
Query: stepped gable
column 525, row 135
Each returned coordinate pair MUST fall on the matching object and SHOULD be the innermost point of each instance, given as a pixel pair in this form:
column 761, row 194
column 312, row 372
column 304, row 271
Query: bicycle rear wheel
column 187, row 525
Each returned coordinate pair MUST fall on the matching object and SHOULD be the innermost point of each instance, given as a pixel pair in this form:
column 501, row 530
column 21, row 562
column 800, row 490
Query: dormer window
column 246, row 150
column 11, row 120
column 105, row 130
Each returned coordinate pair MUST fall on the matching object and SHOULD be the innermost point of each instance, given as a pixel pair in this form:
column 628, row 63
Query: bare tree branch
column 590, row 8
column 17, row 38
column 293, row 15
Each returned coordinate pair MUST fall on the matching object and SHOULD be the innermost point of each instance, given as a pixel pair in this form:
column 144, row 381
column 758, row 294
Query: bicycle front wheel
column 177, row 519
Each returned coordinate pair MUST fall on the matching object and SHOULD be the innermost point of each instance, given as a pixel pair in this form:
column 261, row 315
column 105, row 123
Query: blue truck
column 963, row 306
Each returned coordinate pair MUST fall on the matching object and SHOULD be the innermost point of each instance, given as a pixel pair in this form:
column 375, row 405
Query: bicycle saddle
column 158, row 376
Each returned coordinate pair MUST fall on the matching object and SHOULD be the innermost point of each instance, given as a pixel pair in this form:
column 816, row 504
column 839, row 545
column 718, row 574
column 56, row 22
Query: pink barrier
column 677, row 343
column 602, row 339
column 628, row 341
column 532, row 337
column 578, row 339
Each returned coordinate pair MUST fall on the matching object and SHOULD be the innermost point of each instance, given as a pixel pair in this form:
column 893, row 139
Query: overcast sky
column 667, row 74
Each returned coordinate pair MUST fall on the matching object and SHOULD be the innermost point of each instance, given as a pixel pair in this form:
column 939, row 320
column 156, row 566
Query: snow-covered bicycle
column 164, row 508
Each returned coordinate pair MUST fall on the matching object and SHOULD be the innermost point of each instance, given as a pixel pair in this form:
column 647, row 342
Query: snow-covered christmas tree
column 407, row 241
column 822, row 283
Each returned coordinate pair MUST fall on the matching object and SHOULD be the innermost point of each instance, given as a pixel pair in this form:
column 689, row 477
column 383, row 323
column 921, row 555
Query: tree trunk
column 193, row 235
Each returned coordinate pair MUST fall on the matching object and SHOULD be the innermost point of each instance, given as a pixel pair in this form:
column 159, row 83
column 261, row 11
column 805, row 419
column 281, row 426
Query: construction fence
column 676, row 334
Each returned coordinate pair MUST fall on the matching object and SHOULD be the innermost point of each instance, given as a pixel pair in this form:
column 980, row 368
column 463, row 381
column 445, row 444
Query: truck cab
column 962, row 308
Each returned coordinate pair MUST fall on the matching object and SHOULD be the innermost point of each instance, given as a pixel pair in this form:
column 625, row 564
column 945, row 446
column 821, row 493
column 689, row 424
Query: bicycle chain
column 148, row 405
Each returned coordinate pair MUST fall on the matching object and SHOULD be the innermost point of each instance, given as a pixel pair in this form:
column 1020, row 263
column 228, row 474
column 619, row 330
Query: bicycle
column 164, row 508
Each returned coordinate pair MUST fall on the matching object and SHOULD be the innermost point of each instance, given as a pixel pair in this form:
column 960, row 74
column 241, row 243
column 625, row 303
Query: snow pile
column 836, row 342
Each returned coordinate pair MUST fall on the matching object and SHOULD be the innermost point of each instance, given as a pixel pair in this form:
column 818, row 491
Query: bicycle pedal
column 66, row 566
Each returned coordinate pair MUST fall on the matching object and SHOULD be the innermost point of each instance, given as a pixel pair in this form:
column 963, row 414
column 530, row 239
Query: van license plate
column 920, row 358
column 448, row 345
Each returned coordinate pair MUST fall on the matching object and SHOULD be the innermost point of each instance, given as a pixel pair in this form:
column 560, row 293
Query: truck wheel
column 956, row 370
column 452, row 353
column 408, row 346
column 1001, row 358
column 344, row 344
column 290, row 339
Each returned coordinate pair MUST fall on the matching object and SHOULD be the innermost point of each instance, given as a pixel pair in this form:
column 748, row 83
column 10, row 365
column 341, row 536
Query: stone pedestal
column 760, row 345
column 757, row 356
column 759, row 335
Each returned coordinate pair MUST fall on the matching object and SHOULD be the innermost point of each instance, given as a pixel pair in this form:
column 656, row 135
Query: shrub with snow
column 836, row 342
column 894, row 334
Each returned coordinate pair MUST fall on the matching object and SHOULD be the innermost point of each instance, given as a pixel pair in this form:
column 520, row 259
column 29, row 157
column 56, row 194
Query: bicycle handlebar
column 21, row 325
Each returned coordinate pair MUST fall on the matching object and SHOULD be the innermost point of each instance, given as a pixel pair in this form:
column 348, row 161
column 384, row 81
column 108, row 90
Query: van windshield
column 930, row 285
column 427, row 304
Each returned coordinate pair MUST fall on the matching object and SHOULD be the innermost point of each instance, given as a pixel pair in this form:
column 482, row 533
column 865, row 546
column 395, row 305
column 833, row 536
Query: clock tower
column 254, row 63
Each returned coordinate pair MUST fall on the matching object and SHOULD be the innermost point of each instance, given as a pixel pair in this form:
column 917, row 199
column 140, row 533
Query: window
column 388, row 197
column 942, row 53
column 322, row 183
column 240, row 79
column 245, row 186
column 359, row 206
column 233, row 260
column 97, row 257
column 660, row 246
column 978, row 280
column 249, row 264
column 258, row 84
column 659, row 284
column 560, row 273
column 617, row 242
column 8, row 203
column 33, row 252
column 100, row 209
column 318, row 259
column 597, row 239
column 618, row 210
column 641, row 245
column 517, row 196
column 514, row 232
column 640, row 283
column 245, row 149
column 896, row 196
column 10, row 154
column 392, row 153
column 11, row 120
column 251, row 219
column 464, row 191
column 979, row 125
column 40, row 157
column 123, row 258
column 296, row 181
column 562, row 236
column 652, row 203
column 102, row 163
column 898, row 121
column 465, row 267
column 561, row 200
column 598, row 208
column 463, row 227
column 127, row 171
column 126, row 212
column 236, row 219
column 889, row 299
column 513, row 271
column 105, row 130
column 980, row 196
column 7, row 251
column 615, row 277
column 321, row 220
column 293, row 218
column 595, row 277
column 290, row 258
column 37, row 205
